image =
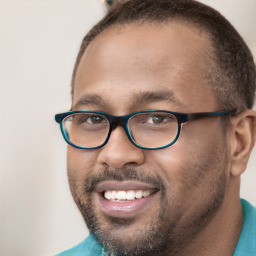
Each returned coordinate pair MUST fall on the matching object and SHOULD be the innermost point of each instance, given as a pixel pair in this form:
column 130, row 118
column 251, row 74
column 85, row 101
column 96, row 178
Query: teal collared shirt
column 246, row 245
column 88, row 247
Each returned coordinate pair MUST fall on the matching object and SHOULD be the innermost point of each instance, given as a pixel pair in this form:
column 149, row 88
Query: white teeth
column 121, row 195
column 130, row 195
column 139, row 194
column 146, row 193
column 115, row 195
column 108, row 195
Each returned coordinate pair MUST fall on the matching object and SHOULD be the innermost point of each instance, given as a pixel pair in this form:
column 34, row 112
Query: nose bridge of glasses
column 118, row 121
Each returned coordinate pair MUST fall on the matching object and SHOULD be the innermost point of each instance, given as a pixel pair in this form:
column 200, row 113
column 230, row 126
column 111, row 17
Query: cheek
column 193, row 161
column 80, row 163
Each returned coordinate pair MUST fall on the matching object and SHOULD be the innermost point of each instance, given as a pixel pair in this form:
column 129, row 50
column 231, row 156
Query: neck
column 220, row 236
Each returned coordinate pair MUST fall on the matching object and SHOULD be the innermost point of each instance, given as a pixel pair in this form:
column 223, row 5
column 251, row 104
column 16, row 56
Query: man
column 147, row 178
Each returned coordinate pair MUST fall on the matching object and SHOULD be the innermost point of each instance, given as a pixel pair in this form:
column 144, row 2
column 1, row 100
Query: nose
column 120, row 151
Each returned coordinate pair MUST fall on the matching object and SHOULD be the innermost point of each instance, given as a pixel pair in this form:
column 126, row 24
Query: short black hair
column 232, row 70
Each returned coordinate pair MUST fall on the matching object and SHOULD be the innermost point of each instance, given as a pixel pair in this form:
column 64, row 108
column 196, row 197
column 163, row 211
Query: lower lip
column 124, row 209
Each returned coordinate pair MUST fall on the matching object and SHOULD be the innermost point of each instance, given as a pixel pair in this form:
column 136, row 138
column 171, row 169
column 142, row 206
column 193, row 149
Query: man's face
column 134, row 68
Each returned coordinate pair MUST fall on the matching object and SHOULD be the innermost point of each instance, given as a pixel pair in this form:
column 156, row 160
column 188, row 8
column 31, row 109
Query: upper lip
column 123, row 186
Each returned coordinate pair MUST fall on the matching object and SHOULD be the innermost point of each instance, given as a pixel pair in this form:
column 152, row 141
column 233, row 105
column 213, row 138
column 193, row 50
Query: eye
column 158, row 119
column 93, row 119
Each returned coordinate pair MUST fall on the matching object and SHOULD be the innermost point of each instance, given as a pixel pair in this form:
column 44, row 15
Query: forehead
column 134, row 58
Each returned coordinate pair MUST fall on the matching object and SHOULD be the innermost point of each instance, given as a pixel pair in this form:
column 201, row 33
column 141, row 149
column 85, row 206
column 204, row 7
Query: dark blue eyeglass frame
column 115, row 121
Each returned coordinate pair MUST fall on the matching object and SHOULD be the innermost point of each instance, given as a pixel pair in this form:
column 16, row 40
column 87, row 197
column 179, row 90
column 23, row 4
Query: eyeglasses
column 150, row 129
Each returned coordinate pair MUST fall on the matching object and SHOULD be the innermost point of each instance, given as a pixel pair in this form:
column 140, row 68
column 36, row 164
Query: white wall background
column 39, row 41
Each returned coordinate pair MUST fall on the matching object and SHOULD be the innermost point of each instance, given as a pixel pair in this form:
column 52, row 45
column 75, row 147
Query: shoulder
column 88, row 247
column 247, row 241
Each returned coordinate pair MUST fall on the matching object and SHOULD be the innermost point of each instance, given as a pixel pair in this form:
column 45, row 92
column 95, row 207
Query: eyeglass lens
column 150, row 130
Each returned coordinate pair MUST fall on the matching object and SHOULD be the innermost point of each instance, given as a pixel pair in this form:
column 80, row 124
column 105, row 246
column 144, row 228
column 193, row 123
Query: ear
column 242, row 132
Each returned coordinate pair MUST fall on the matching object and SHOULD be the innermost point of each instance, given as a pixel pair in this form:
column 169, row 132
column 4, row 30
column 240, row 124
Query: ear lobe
column 242, row 140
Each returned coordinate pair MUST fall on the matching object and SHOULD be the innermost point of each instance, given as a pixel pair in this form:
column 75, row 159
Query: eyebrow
column 139, row 99
column 89, row 99
column 156, row 96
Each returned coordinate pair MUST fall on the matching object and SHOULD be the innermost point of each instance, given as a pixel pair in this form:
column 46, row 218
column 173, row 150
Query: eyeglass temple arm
column 196, row 116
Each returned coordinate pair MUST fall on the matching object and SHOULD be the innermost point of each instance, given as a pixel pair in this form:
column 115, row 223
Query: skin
column 196, row 210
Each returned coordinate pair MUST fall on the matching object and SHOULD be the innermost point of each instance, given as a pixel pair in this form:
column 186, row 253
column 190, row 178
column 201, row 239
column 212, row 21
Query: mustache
column 124, row 174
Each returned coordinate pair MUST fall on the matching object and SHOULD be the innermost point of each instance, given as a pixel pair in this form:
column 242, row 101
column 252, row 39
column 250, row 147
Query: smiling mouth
column 125, row 199
column 121, row 195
